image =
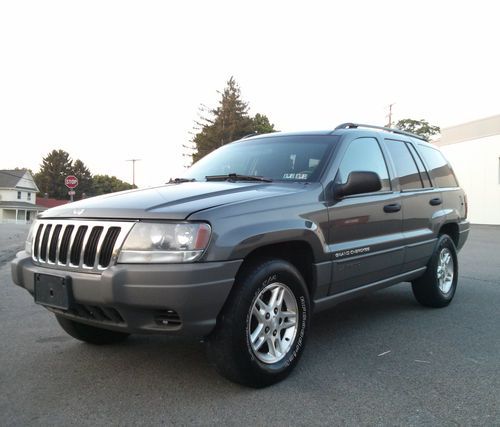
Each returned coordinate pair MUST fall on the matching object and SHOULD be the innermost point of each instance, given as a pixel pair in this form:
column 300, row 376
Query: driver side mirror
column 358, row 183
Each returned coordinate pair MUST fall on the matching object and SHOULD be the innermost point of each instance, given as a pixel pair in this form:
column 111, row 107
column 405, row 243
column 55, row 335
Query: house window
column 29, row 196
column 19, row 195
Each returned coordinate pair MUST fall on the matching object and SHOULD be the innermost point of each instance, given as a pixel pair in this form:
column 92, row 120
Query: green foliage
column 261, row 124
column 418, row 127
column 228, row 122
column 104, row 184
column 56, row 166
column 85, row 183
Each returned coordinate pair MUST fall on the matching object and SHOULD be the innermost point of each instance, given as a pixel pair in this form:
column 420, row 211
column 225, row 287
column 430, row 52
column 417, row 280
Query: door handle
column 435, row 202
column 393, row 207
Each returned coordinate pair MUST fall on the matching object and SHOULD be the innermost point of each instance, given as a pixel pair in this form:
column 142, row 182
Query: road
column 377, row 360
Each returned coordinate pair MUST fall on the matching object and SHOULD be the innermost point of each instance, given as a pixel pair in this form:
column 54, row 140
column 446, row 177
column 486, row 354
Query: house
column 473, row 149
column 18, row 196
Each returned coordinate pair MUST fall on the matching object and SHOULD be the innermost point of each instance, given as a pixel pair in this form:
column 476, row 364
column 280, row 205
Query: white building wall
column 477, row 166
column 7, row 195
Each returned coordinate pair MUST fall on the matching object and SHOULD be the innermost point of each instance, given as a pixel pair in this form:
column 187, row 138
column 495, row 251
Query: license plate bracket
column 53, row 291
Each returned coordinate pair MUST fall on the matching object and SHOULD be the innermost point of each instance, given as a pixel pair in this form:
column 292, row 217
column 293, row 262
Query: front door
column 365, row 229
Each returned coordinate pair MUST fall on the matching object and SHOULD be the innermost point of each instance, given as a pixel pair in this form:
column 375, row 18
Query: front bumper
column 139, row 298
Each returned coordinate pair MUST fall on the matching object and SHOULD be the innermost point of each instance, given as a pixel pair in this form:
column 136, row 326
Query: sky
column 109, row 81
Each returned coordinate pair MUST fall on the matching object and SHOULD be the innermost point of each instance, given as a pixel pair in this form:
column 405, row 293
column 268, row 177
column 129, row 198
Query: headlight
column 150, row 242
column 29, row 239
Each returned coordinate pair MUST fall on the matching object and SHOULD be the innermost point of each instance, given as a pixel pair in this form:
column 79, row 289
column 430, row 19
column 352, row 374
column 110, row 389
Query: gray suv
column 254, row 238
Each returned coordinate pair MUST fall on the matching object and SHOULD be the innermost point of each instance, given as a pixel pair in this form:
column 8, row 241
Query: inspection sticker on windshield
column 295, row 176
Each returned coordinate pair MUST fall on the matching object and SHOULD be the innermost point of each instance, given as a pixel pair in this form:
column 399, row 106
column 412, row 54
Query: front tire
column 261, row 331
column 90, row 334
column 437, row 286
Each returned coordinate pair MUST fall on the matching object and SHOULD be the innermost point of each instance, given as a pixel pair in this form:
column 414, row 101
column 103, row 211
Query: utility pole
column 133, row 169
column 389, row 124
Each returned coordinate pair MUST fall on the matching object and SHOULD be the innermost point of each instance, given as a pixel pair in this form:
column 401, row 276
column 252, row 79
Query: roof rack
column 397, row 131
column 254, row 133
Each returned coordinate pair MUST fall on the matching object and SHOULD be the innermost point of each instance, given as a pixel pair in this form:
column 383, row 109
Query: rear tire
column 262, row 329
column 437, row 286
column 90, row 334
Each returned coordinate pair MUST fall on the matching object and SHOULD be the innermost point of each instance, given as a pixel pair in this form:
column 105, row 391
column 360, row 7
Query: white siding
column 477, row 166
column 11, row 196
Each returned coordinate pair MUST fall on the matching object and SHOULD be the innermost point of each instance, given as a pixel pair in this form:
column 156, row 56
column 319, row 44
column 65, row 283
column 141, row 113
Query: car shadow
column 152, row 360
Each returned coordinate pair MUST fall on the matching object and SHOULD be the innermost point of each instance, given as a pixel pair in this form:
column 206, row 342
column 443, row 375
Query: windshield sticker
column 295, row 175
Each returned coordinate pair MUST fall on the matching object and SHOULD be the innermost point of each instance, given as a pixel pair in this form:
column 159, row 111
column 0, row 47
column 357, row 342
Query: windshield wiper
column 180, row 180
column 237, row 177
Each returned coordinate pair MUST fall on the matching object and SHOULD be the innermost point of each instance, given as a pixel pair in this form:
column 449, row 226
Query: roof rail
column 397, row 131
column 250, row 135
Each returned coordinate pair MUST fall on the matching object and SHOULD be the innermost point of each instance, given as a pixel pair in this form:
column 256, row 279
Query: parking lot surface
column 377, row 360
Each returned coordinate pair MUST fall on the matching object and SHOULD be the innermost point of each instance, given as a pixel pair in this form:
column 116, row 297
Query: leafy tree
column 85, row 183
column 227, row 122
column 261, row 124
column 418, row 127
column 104, row 184
column 56, row 166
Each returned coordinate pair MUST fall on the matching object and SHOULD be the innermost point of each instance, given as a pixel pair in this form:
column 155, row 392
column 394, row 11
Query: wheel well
column 451, row 230
column 297, row 253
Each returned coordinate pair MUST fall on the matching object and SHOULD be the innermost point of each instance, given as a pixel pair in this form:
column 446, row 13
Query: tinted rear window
column 409, row 178
column 439, row 167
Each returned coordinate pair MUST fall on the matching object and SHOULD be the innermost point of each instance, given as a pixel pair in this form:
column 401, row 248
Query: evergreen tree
column 55, row 167
column 228, row 122
column 84, row 176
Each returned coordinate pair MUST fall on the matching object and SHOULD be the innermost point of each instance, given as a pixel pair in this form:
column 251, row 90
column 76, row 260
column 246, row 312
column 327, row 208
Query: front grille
column 78, row 245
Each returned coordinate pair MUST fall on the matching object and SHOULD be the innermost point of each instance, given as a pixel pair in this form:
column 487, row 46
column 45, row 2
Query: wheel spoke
column 289, row 320
column 277, row 344
column 259, row 314
column 256, row 333
column 270, row 345
column 263, row 306
column 258, row 344
column 274, row 296
column 279, row 301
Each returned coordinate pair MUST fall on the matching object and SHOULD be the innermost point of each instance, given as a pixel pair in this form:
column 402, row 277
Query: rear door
column 420, row 200
column 365, row 229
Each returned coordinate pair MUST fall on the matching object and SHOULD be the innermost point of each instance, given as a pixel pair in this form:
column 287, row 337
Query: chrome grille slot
column 76, row 250
column 64, row 247
column 36, row 245
column 45, row 242
column 107, row 246
column 54, row 243
column 90, row 246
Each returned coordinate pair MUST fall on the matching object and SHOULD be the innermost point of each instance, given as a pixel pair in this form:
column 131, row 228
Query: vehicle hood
column 171, row 201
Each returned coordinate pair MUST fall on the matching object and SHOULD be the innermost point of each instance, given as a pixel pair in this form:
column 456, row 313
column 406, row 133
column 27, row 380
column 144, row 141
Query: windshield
column 293, row 158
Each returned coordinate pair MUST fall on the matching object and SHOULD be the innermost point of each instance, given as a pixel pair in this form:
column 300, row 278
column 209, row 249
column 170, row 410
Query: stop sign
column 71, row 181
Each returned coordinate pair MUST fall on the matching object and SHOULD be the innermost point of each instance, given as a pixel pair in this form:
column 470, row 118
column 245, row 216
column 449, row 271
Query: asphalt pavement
column 377, row 360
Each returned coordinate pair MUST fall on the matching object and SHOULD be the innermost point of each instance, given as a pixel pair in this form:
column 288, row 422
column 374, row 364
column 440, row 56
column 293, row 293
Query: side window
column 364, row 155
column 406, row 168
column 421, row 168
column 19, row 195
column 440, row 170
